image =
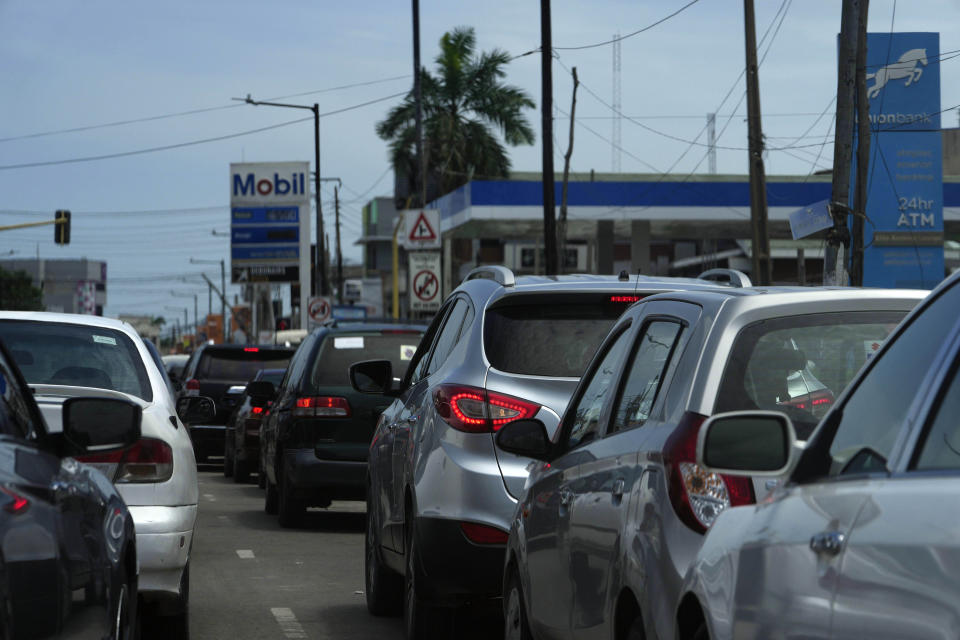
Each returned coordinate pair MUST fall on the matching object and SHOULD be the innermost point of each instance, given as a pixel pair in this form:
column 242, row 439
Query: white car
column 66, row 355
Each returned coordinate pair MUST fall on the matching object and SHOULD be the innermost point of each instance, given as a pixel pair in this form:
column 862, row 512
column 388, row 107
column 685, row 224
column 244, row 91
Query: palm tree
column 465, row 106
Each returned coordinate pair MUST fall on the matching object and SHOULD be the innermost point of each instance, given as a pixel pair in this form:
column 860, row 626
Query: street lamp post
column 196, row 319
column 223, row 292
column 321, row 252
column 184, row 316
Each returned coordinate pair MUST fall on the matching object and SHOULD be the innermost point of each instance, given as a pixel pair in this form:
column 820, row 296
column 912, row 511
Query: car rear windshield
column 552, row 339
column 339, row 351
column 76, row 355
column 274, row 377
column 239, row 365
column 799, row 365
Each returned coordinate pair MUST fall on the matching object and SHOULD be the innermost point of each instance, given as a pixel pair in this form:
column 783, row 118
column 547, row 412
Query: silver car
column 617, row 506
column 440, row 495
column 67, row 355
column 861, row 541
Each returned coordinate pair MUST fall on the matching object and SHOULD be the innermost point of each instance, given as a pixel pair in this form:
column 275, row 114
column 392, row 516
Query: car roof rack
column 495, row 272
column 729, row 277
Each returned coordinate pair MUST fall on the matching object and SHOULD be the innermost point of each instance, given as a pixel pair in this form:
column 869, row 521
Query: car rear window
column 801, row 364
column 239, row 365
column 339, row 351
column 552, row 339
column 76, row 355
column 275, row 378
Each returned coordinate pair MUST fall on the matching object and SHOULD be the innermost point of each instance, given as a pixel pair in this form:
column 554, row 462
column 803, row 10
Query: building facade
column 68, row 286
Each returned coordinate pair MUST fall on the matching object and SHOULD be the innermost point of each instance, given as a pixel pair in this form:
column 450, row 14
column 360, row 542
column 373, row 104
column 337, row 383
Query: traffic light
column 61, row 230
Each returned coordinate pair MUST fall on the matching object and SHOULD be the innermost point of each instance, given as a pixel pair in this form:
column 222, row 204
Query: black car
column 241, row 453
column 68, row 566
column 221, row 372
column 316, row 437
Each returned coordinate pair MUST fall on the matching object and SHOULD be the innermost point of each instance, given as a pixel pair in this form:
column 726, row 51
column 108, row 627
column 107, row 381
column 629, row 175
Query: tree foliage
column 467, row 110
column 17, row 292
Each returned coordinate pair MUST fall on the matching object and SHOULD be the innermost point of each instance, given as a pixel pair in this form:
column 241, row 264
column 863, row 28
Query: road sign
column 319, row 310
column 810, row 219
column 421, row 229
column 425, row 290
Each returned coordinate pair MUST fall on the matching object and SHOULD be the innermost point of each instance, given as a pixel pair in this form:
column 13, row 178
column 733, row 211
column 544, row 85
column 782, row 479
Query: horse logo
column 906, row 67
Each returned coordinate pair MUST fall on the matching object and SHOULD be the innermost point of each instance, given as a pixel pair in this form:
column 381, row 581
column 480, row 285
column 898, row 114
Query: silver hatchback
column 440, row 495
column 617, row 506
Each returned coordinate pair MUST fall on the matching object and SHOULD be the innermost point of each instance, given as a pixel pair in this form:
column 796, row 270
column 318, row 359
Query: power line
column 191, row 111
column 630, row 35
column 179, row 145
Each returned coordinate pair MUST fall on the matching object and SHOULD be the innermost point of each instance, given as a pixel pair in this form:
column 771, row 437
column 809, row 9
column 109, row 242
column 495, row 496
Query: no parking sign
column 425, row 290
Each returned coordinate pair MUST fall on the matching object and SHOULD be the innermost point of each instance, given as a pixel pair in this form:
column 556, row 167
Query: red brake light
column 625, row 298
column 147, row 460
column 256, row 411
column 13, row 502
column 817, row 402
column 251, row 349
column 699, row 496
column 483, row 534
column 193, row 384
column 322, row 407
column 477, row 410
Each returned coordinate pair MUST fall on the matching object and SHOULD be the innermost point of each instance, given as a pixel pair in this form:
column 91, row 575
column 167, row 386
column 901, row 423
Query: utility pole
column 863, row 149
column 336, row 208
column 762, row 272
column 562, row 226
column 223, row 288
column 418, row 102
column 546, row 109
column 712, row 143
column 838, row 236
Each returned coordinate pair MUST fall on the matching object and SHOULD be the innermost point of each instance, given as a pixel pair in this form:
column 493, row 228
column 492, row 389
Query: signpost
column 270, row 224
column 318, row 311
column 425, row 287
column 422, row 229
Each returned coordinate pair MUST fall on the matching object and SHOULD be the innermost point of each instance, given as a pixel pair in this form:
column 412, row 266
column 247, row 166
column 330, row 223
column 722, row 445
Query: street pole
column 196, row 319
column 546, row 110
column 418, row 102
column 834, row 273
column 223, row 302
column 762, row 271
column 863, row 149
column 336, row 208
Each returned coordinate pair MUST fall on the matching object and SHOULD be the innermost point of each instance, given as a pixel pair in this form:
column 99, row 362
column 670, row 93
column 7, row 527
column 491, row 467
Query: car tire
column 123, row 624
column 228, row 460
column 241, row 471
column 171, row 622
column 270, row 497
column 261, row 474
column 290, row 508
column 421, row 621
column 515, row 624
column 383, row 586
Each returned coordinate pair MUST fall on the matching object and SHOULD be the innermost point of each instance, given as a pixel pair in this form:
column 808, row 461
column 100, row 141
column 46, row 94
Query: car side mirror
column 373, row 376
column 261, row 390
column 527, row 438
column 196, row 409
column 751, row 443
column 98, row 425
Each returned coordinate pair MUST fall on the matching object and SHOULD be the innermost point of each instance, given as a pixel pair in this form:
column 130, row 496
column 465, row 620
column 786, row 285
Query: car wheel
column 261, row 474
column 515, row 625
column 270, row 497
column 122, row 629
column 384, row 587
column 290, row 509
column 169, row 621
column 227, row 459
column 241, row 471
column 421, row 621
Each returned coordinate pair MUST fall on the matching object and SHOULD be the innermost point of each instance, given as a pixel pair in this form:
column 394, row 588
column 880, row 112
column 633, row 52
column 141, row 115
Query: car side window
column 651, row 357
column 876, row 409
column 447, row 339
column 16, row 417
column 418, row 366
column 940, row 449
column 298, row 363
column 585, row 416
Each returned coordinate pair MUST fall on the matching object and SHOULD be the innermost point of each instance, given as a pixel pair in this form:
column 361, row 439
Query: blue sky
column 67, row 64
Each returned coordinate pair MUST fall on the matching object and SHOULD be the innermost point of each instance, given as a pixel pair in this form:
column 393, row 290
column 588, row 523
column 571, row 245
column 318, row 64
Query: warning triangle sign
column 422, row 230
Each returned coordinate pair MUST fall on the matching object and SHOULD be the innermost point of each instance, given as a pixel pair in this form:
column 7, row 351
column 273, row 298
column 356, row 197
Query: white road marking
column 210, row 497
column 246, row 554
column 288, row 622
column 223, row 517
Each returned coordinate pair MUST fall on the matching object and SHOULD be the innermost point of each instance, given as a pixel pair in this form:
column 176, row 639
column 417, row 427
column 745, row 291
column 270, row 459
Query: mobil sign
column 269, row 221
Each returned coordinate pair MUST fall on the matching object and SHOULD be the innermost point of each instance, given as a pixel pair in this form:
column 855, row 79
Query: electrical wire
column 630, row 35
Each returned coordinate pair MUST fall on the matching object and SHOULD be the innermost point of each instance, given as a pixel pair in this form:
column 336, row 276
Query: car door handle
column 828, row 542
column 617, row 489
column 566, row 497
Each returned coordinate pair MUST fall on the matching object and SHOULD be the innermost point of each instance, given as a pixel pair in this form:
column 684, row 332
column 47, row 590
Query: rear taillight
column 192, row 385
column 322, row 407
column 13, row 502
column 816, row 402
column 698, row 496
column 476, row 410
column 483, row 534
column 147, row 460
column 256, row 411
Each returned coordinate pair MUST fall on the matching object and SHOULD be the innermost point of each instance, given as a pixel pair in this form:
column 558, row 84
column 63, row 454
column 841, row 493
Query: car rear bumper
column 164, row 539
column 208, row 439
column 456, row 569
column 338, row 479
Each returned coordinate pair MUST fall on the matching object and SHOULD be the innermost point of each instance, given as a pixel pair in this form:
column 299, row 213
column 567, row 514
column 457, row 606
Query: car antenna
column 637, row 285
